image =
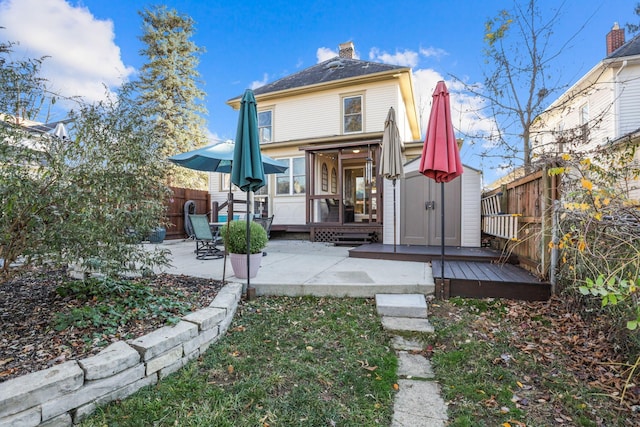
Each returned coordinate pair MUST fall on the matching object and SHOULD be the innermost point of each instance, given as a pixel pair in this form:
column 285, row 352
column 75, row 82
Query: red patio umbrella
column 440, row 156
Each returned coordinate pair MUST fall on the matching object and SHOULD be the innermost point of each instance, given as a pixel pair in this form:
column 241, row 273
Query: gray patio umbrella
column 440, row 159
column 247, row 171
column 391, row 159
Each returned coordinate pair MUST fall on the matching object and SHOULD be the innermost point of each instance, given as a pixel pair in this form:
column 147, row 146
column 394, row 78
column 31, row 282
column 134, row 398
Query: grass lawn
column 283, row 362
column 328, row 362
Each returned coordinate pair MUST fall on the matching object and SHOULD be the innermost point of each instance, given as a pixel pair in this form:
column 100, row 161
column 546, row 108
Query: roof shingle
column 330, row 70
column 630, row 48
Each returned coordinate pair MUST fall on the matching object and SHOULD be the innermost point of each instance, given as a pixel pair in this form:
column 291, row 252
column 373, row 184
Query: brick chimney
column 615, row 38
column 347, row 50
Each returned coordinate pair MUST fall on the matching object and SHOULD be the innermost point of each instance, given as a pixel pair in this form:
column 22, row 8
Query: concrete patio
column 299, row 267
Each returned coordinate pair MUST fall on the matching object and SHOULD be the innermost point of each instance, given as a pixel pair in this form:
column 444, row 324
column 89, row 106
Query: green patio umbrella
column 247, row 171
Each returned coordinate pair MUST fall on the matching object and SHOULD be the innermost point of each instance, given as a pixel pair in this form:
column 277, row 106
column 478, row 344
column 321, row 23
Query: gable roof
column 630, row 48
column 340, row 72
column 330, row 70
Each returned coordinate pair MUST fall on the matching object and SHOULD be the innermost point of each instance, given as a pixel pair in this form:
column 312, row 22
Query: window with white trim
column 352, row 114
column 265, row 126
column 293, row 180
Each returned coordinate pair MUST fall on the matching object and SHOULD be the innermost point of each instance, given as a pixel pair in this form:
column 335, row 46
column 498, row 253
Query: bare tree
column 518, row 82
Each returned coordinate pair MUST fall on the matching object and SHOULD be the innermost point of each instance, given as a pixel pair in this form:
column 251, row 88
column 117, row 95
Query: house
column 32, row 133
column 601, row 110
column 326, row 122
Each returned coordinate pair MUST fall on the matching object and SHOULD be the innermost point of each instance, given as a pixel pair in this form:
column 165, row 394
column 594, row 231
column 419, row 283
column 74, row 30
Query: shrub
column 235, row 237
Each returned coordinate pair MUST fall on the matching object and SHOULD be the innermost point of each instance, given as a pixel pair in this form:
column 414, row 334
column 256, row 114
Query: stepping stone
column 410, row 324
column 401, row 305
column 419, row 404
column 414, row 366
column 401, row 343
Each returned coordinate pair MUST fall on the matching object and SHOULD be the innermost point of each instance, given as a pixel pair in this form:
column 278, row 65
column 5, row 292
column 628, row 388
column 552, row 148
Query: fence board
column 526, row 203
column 175, row 209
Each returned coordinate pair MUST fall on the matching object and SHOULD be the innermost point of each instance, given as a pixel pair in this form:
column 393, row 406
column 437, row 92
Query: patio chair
column 206, row 240
column 266, row 224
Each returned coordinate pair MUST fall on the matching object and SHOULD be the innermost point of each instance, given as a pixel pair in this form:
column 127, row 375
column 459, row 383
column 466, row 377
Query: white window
column 584, row 114
column 352, row 114
column 293, row 180
column 225, row 180
column 265, row 126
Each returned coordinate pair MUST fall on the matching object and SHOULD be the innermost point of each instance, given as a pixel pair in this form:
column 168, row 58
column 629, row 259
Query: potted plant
column 234, row 238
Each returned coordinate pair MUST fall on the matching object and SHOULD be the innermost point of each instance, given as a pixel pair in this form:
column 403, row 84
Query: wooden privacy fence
column 175, row 209
column 519, row 217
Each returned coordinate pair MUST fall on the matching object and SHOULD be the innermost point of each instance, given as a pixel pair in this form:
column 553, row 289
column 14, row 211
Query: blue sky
column 93, row 43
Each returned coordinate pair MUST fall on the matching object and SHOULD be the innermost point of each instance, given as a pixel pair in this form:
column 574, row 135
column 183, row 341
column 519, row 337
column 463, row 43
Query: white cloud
column 430, row 52
column 83, row 57
column 257, row 83
column 407, row 58
column 324, row 53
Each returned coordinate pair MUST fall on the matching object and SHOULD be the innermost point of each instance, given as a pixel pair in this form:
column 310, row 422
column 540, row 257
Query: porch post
column 308, row 159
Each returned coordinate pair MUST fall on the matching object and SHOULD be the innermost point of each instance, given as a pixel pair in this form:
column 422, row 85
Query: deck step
column 347, row 238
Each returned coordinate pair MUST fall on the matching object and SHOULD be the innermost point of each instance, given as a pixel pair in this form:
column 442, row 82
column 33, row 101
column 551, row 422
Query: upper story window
column 293, row 180
column 265, row 126
column 352, row 114
column 584, row 114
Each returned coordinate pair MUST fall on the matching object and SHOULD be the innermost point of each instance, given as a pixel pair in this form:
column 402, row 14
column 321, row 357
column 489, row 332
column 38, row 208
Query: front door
column 421, row 210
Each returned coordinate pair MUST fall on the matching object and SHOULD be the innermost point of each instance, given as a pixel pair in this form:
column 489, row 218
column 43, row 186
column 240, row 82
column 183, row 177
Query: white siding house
column 327, row 122
column 598, row 111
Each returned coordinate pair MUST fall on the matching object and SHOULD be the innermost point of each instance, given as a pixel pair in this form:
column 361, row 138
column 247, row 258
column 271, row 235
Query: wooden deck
column 472, row 279
column 468, row 272
column 424, row 253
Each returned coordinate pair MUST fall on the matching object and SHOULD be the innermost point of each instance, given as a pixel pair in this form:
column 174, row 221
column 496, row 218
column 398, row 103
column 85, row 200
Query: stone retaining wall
column 65, row 394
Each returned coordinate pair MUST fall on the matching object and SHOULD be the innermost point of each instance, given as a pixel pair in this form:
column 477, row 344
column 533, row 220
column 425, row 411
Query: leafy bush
column 235, row 237
column 72, row 200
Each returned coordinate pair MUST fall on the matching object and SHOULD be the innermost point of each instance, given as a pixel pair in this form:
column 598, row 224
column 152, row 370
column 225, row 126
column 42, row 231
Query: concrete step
column 404, row 344
column 414, row 366
column 406, row 324
column 322, row 287
column 402, row 305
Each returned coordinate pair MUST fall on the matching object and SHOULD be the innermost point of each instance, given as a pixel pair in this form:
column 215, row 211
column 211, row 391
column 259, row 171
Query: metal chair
column 265, row 223
column 206, row 240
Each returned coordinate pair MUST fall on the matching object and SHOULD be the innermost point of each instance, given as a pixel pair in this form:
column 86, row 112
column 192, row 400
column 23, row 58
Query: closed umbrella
column 440, row 156
column 247, row 172
column 218, row 158
column 391, row 159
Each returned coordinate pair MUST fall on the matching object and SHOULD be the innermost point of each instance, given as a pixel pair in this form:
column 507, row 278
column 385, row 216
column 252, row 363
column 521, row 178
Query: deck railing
column 495, row 222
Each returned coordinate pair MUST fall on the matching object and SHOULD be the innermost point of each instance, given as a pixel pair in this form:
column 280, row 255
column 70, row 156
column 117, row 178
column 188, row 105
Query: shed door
column 421, row 211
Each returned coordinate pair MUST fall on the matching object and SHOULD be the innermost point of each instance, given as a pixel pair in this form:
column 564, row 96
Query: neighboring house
column 30, row 134
column 601, row 110
column 326, row 122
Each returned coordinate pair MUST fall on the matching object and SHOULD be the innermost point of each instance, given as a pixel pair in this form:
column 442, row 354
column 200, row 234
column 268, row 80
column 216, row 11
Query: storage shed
column 418, row 204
